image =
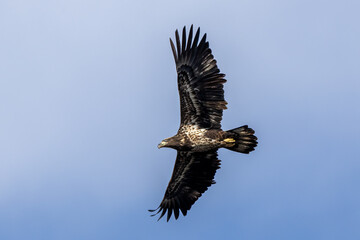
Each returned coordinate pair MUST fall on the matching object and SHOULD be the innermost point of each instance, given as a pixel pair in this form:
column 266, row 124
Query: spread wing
column 200, row 82
column 193, row 174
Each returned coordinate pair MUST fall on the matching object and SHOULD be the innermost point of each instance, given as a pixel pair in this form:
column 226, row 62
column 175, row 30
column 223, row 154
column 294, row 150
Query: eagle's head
column 162, row 144
column 172, row 142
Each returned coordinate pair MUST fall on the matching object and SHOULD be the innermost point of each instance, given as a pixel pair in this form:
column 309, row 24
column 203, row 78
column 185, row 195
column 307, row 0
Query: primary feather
column 200, row 82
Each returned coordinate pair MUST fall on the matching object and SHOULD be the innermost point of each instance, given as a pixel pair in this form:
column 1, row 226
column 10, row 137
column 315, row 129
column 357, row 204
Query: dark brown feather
column 193, row 174
column 200, row 82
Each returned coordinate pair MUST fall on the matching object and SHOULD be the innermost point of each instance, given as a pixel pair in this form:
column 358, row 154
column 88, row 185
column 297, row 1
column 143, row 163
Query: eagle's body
column 193, row 138
column 200, row 85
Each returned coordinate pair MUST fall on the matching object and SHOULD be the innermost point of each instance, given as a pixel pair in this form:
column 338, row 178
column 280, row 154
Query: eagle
column 202, row 102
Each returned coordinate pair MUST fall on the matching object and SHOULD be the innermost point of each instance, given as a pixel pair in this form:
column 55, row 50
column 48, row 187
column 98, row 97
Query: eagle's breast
column 198, row 138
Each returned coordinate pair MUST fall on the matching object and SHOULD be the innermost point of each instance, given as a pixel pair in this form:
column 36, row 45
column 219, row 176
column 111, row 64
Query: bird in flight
column 202, row 102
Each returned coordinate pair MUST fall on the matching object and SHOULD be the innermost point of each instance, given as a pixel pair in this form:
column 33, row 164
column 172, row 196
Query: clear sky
column 88, row 89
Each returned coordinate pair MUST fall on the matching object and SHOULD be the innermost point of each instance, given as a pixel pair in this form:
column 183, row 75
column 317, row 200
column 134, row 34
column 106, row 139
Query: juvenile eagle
column 200, row 85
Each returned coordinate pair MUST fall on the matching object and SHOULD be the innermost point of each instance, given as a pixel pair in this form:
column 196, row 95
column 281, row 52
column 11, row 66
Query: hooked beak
column 162, row 144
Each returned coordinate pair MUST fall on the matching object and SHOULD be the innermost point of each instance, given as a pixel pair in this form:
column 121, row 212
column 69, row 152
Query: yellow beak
column 162, row 144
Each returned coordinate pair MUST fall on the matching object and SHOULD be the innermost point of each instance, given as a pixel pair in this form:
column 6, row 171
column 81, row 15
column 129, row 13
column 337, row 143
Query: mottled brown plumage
column 202, row 102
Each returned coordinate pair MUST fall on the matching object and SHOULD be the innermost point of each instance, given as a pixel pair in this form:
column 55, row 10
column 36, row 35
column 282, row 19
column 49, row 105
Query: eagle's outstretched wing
column 200, row 82
column 193, row 174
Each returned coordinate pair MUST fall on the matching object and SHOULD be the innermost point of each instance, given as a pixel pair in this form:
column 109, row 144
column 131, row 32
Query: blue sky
column 88, row 89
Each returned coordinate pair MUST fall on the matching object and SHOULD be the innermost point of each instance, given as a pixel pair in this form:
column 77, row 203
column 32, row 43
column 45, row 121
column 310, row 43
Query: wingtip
column 191, row 28
column 153, row 210
column 169, row 214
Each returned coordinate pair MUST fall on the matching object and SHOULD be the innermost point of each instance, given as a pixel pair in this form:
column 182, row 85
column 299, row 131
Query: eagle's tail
column 242, row 139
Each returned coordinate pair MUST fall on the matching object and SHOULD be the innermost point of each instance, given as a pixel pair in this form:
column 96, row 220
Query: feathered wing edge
column 200, row 82
column 193, row 174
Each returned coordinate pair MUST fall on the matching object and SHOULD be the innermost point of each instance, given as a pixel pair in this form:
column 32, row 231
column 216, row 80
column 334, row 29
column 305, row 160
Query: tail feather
column 245, row 140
